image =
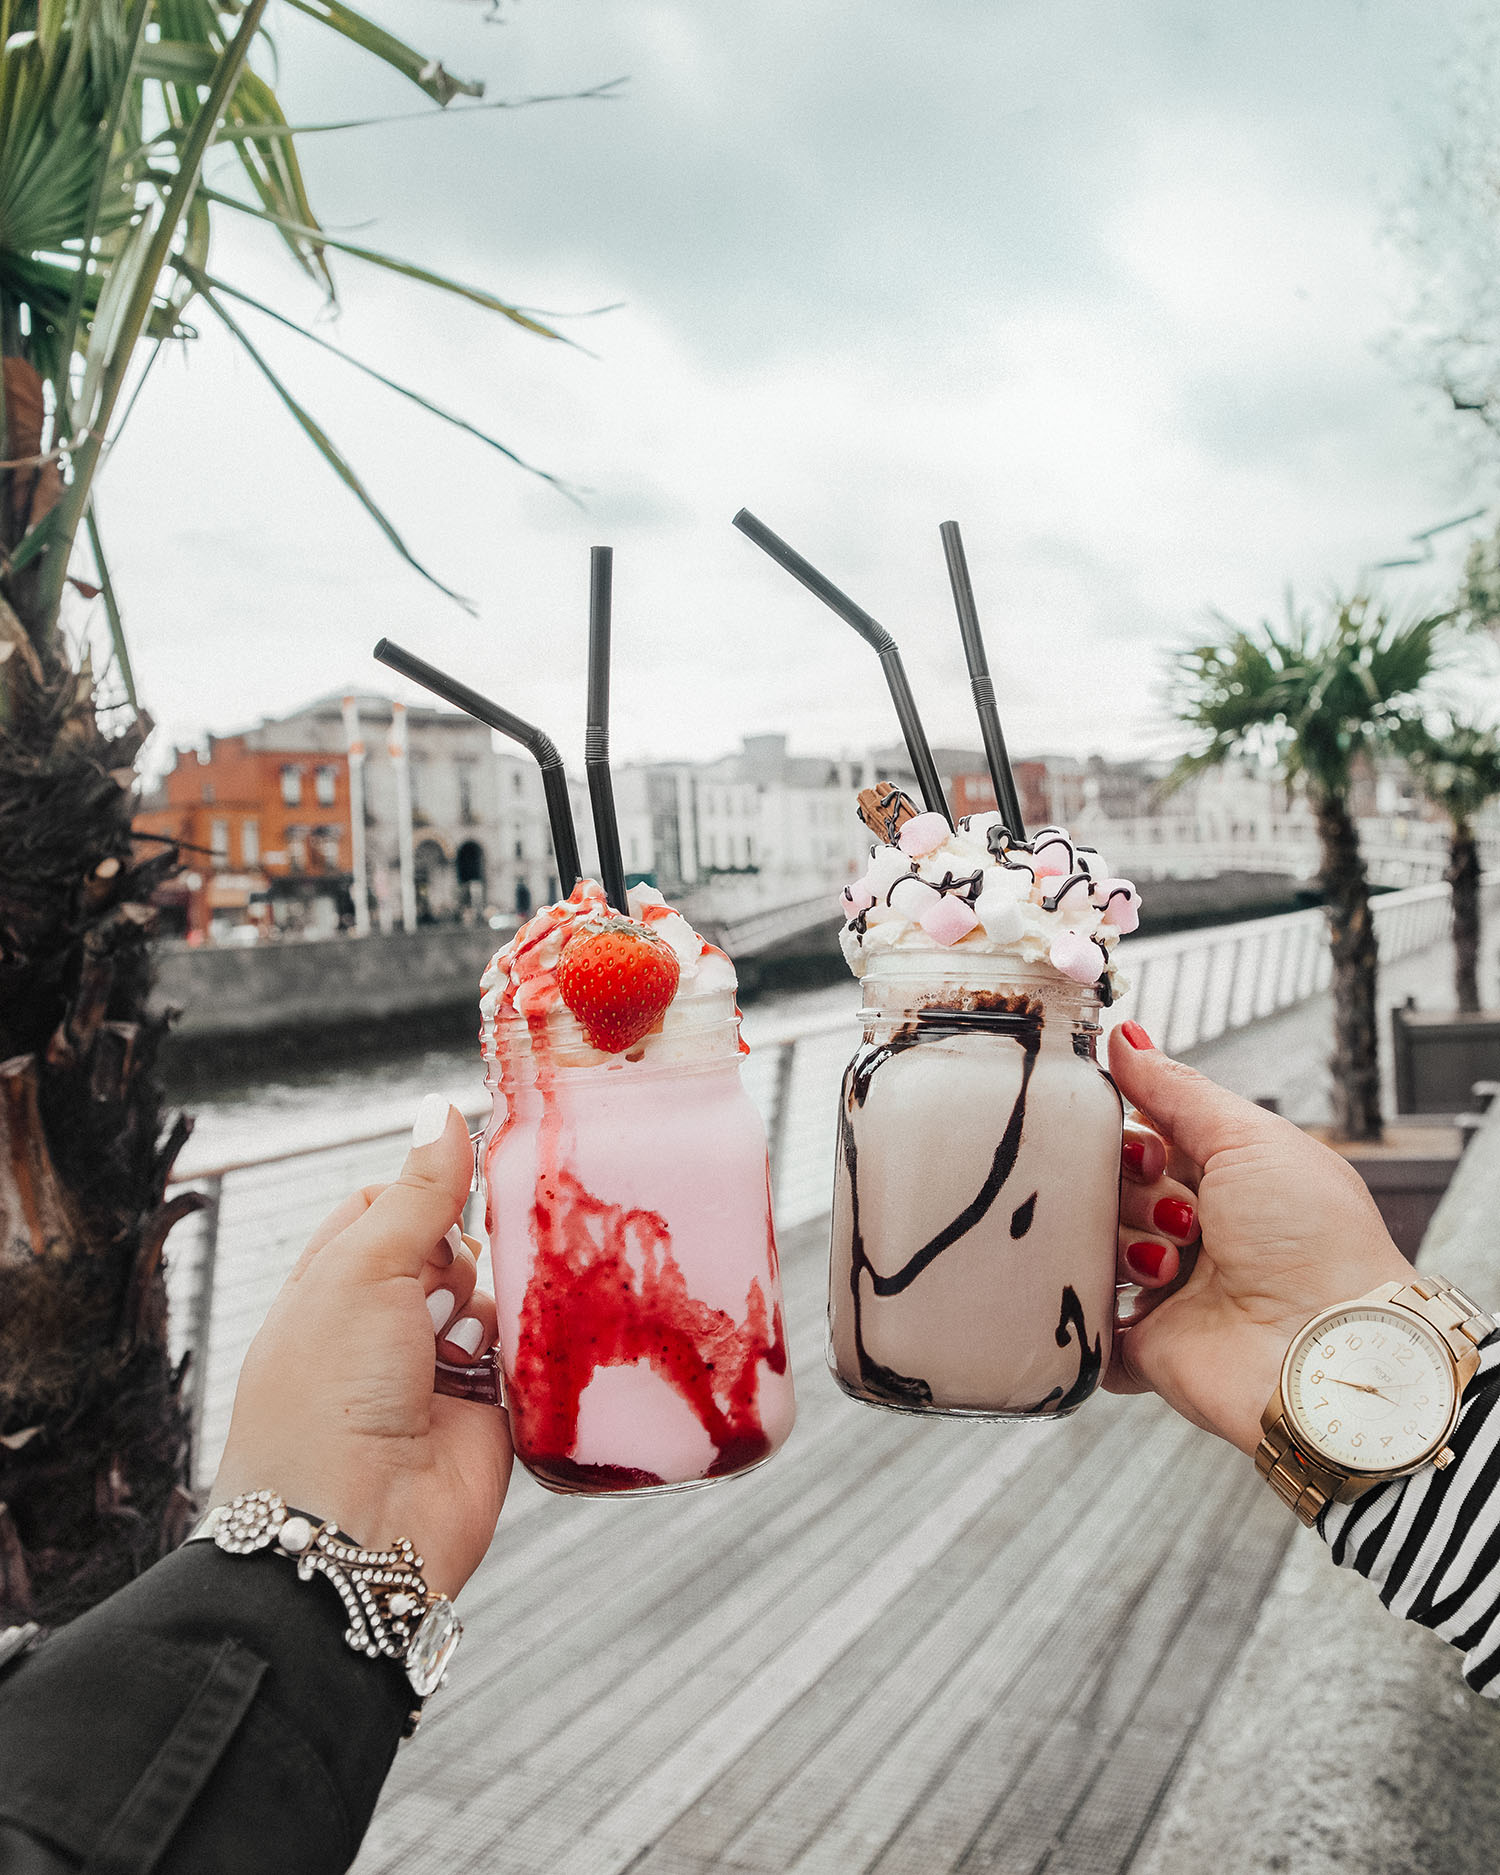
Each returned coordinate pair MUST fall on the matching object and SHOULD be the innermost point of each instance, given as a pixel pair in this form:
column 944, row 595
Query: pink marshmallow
column 1076, row 957
column 856, row 898
column 923, row 833
column 1119, row 903
column 1052, row 856
column 1071, row 901
column 948, row 918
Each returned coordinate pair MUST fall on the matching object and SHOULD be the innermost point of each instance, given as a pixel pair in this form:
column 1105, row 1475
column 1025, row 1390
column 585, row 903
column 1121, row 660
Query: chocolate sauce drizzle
column 1051, row 900
column 1070, row 1324
column 1026, row 1030
column 968, row 888
column 1001, row 848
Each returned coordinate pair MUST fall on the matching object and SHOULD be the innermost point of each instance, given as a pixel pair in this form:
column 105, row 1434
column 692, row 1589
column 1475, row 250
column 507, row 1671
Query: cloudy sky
column 1111, row 285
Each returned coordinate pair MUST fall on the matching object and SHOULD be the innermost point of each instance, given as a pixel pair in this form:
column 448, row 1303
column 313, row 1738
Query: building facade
column 266, row 819
column 265, row 831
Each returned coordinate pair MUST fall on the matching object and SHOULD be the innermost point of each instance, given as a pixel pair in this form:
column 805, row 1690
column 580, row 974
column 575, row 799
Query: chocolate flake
column 885, row 810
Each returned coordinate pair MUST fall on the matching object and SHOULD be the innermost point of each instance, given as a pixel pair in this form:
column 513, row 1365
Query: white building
column 480, row 839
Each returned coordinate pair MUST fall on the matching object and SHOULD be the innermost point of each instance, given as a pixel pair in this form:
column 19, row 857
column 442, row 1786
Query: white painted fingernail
column 466, row 1333
column 440, row 1307
column 454, row 1238
column 432, row 1118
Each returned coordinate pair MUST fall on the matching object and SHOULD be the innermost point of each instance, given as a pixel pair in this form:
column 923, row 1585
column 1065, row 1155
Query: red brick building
column 260, row 827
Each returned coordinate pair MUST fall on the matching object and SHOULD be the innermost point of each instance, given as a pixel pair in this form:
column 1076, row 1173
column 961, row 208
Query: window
column 466, row 794
column 291, row 786
column 326, row 846
column 296, row 846
column 218, row 839
column 520, row 849
column 249, row 842
column 208, row 793
column 327, row 786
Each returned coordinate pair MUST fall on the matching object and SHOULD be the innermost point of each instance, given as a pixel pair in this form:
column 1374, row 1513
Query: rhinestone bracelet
column 389, row 1608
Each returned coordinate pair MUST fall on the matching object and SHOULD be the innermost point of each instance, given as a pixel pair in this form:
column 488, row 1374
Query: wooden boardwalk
column 905, row 1647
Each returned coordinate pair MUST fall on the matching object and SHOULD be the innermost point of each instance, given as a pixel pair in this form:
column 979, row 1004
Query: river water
column 317, row 1106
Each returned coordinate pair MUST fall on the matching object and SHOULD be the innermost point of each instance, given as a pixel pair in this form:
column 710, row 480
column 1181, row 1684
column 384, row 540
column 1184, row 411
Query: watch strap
column 1302, row 1484
column 1461, row 1322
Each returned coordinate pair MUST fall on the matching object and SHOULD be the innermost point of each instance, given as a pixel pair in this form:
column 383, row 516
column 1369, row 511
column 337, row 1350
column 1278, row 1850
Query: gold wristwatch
column 1369, row 1391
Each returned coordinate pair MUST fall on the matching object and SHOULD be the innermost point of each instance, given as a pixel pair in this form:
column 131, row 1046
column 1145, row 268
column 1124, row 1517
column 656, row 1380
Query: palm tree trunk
column 93, row 1436
column 1463, row 876
column 1355, row 1062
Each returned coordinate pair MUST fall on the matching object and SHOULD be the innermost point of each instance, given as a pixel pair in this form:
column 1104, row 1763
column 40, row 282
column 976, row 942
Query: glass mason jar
column 976, row 1192
column 642, row 1344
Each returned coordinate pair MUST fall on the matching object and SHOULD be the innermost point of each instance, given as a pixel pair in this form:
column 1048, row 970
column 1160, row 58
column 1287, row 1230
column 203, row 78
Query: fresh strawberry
column 617, row 980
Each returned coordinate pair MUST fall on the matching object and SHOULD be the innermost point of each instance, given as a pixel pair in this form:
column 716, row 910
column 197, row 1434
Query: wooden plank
column 793, row 1783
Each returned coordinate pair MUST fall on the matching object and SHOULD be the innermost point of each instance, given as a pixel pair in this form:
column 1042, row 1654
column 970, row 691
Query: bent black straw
column 554, row 781
column 875, row 635
column 1006, row 797
column 596, row 736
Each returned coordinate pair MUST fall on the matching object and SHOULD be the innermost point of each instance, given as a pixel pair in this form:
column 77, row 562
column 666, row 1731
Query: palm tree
column 1457, row 767
column 1320, row 695
column 109, row 112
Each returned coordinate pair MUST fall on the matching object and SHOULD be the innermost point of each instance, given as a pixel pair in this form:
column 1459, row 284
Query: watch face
column 1370, row 1389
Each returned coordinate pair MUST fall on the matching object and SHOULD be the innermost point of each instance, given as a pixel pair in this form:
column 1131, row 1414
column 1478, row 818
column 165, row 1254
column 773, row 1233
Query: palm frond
column 439, row 84
column 107, row 110
column 328, row 449
column 1456, row 763
column 407, row 269
column 607, row 90
column 203, row 282
column 1318, row 692
column 111, row 606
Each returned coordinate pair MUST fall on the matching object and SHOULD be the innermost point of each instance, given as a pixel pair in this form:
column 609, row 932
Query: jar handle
column 479, row 1382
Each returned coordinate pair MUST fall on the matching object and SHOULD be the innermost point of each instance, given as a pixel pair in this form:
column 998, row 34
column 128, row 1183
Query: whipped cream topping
column 521, row 978
column 972, row 889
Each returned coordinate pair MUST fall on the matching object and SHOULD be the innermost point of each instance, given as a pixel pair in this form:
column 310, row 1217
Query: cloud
column 1104, row 284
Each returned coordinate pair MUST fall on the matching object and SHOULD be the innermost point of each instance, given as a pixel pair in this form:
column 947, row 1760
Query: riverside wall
column 229, row 994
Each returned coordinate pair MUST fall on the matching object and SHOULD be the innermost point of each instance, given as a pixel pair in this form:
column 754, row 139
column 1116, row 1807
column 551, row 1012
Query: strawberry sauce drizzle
column 606, row 1291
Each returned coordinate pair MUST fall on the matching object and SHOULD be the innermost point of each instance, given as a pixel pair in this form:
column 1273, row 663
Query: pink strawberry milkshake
column 641, row 1334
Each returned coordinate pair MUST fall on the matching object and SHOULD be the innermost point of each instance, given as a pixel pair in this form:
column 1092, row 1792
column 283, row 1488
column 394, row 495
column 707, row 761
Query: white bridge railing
column 226, row 1264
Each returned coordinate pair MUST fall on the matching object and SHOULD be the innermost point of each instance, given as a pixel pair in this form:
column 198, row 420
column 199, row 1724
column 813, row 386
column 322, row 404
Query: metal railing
column 226, row 1263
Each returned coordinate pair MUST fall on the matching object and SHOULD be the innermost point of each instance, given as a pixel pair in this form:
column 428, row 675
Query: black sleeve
column 209, row 1717
column 1431, row 1543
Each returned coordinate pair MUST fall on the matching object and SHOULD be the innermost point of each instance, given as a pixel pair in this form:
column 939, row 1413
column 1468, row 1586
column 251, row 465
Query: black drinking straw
column 554, row 781
column 1006, row 797
column 596, row 736
column 875, row 635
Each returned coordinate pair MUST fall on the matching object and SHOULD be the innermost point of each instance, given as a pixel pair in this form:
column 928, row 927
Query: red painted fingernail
column 1136, row 1035
column 1173, row 1216
column 1133, row 1156
column 1145, row 1257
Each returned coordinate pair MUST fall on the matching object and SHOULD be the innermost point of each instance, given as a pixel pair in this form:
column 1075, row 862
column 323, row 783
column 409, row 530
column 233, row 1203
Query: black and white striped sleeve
column 1431, row 1543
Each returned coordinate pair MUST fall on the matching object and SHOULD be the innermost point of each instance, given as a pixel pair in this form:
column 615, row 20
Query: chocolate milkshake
column 976, row 1192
